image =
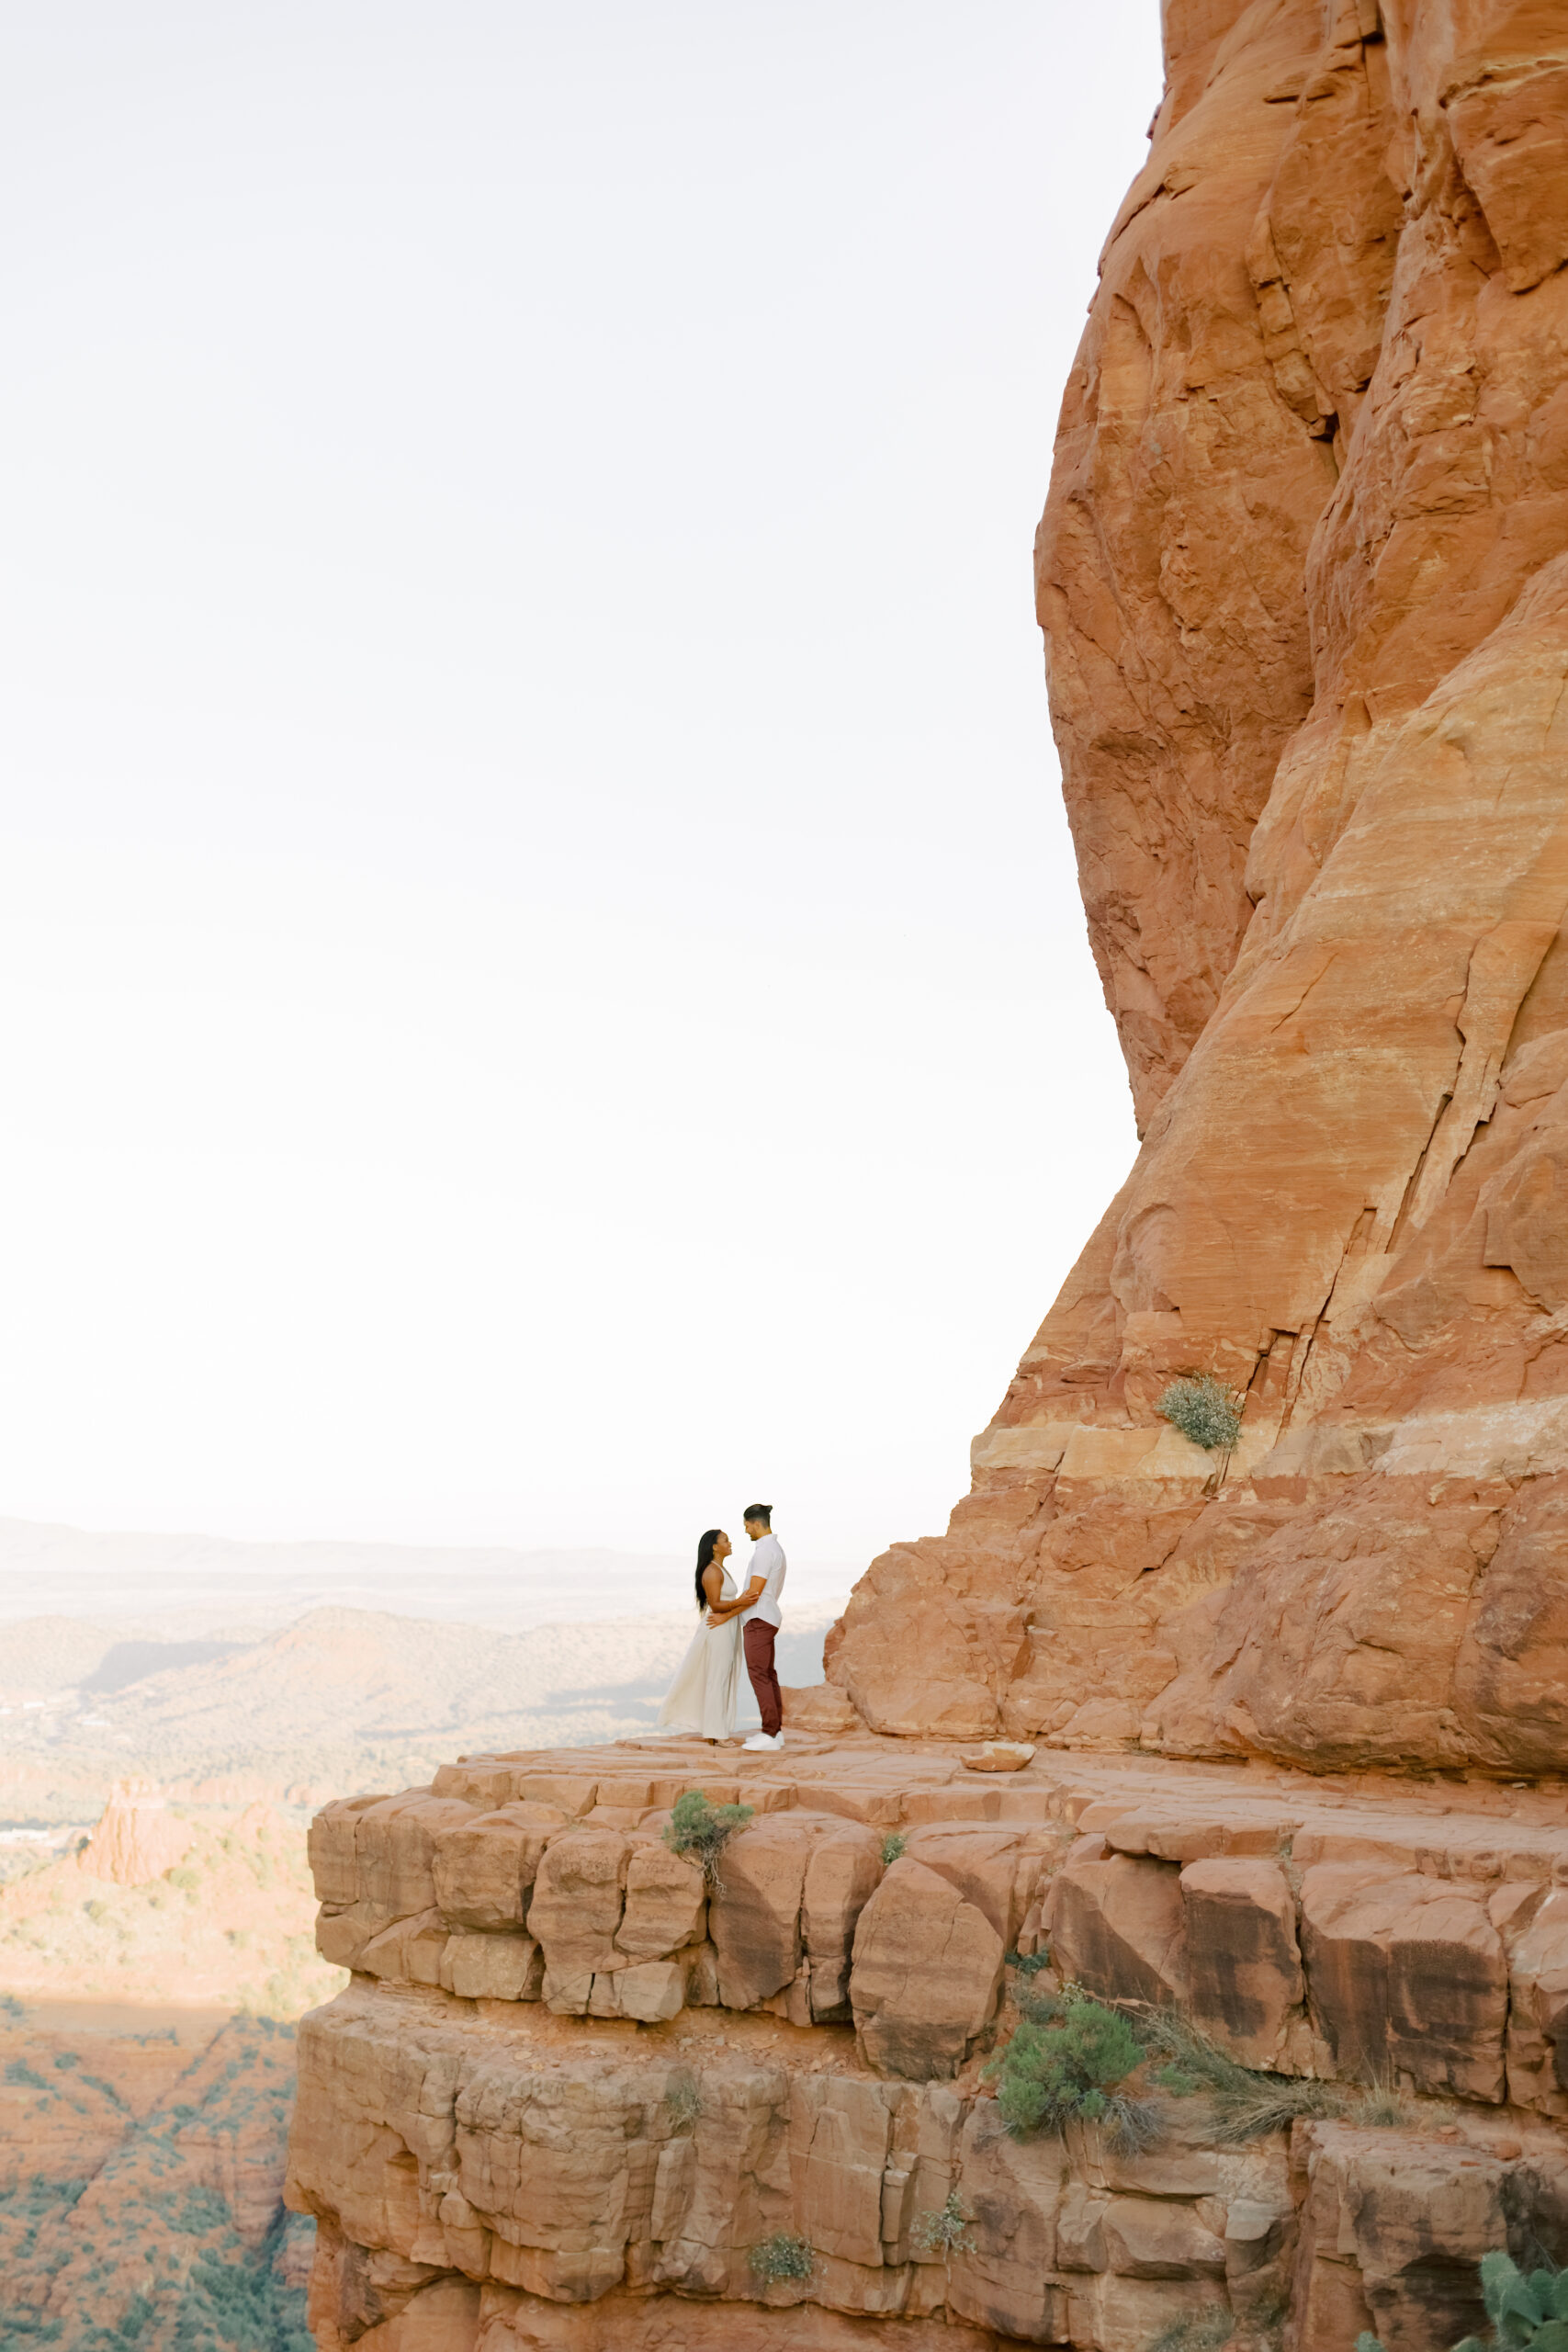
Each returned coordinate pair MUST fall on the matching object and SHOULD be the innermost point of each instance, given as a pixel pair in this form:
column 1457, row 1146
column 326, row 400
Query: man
column 758, row 1608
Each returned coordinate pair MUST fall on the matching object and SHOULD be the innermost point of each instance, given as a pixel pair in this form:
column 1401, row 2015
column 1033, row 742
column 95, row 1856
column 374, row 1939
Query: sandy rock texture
column 1303, row 580
column 1285, row 1727
column 627, row 2187
column 550, row 2158
column 566, row 1892
column 1387, row 1935
column 136, row 1838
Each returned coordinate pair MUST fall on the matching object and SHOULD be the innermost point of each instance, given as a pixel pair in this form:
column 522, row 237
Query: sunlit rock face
column 1258, row 1752
column 578, row 2095
column 1304, row 589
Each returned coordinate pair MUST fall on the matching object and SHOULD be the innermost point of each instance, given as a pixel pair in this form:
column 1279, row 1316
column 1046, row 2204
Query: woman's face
column 723, row 1548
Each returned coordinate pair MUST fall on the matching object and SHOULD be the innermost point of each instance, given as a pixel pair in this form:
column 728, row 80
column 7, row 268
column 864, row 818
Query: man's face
column 756, row 1529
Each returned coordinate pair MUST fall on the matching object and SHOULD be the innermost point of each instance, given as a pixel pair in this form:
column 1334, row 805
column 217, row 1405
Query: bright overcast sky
column 542, row 986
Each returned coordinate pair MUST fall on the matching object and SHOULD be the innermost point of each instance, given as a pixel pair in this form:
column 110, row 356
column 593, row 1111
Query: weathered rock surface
column 1303, row 580
column 1380, row 1931
column 927, row 1970
column 576, row 2126
column 136, row 1838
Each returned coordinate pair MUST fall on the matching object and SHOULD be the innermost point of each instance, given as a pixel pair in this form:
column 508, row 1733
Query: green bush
column 202, row 2212
column 698, row 1830
column 782, row 2257
column 944, row 2231
column 1028, row 1963
column 1202, row 1410
column 892, row 1845
column 240, row 2304
column 1523, row 2309
column 1065, row 2062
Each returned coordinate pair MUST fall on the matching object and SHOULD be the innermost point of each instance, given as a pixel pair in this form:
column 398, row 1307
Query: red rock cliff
column 1305, row 600
column 1304, row 589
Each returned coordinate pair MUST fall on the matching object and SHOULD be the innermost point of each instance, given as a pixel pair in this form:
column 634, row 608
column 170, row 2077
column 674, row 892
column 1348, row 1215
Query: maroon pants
column 759, row 1640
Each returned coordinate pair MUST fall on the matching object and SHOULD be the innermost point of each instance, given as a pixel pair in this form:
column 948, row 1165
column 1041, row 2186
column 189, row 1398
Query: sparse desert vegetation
column 140, row 2188
column 231, row 1923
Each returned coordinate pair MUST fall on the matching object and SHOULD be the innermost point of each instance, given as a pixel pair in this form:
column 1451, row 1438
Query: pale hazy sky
column 542, row 988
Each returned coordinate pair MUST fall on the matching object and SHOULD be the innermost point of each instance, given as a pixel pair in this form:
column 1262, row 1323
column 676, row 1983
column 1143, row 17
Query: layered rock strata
column 1304, row 589
column 571, row 2090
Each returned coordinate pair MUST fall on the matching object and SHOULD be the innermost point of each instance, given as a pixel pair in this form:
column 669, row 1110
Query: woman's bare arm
column 723, row 1610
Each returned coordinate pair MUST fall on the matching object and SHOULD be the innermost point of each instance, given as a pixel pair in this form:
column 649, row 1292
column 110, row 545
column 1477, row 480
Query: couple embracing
column 703, row 1695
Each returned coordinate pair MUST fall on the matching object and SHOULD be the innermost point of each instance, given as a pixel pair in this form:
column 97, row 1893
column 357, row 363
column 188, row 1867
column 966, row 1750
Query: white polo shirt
column 767, row 1561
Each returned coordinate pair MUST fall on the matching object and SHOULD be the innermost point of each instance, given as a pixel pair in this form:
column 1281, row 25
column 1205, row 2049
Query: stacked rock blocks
column 570, row 2090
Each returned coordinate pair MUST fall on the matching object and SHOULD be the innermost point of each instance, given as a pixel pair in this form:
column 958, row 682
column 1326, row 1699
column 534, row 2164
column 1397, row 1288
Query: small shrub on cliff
column 1203, row 1411
column 1197, row 2330
column 1524, row 2310
column 944, row 2231
column 782, row 2257
column 1065, row 2062
column 698, row 1830
column 892, row 1845
column 1131, row 2126
column 1204, row 2330
column 1044, row 2007
column 1385, row 2106
column 1244, row 2104
column 682, row 2099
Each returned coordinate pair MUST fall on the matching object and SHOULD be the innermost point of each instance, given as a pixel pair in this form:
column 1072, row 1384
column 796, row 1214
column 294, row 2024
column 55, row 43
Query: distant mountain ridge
column 214, row 1583
column 291, row 1672
column 333, row 1702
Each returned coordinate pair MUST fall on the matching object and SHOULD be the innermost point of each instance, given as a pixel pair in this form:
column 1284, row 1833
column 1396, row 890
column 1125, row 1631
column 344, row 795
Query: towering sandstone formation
column 1289, row 1731
column 1303, row 580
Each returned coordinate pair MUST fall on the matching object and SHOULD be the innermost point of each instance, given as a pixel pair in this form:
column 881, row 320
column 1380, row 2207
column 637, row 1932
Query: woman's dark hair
column 704, row 1560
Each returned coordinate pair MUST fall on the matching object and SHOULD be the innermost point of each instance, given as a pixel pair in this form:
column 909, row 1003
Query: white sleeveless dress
column 702, row 1696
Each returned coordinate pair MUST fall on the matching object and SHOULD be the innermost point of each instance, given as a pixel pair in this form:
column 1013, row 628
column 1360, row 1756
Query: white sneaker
column 764, row 1739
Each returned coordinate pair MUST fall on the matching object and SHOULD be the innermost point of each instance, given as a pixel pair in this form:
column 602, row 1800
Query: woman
column 702, row 1697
